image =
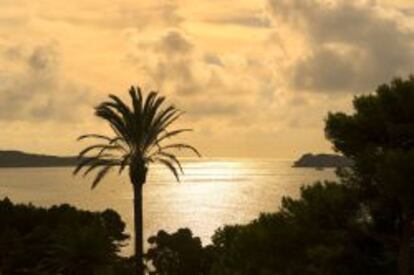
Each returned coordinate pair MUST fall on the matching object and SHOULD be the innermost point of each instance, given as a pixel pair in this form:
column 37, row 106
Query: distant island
column 322, row 161
column 22, row 159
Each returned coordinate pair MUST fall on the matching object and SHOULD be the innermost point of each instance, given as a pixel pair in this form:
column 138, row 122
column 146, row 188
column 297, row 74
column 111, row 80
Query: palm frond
column 163, row 116
column 100, row 163
column 120, row 106
column 146, row 118
column 88, row 161
column 127, row 115
column 136, row 96
column 102, row 148
column 170, row 166
column 152, row 111
column 84, row 162
column 166, row 121
column 115, row 120
column 124, row 162
column 160, row 125
column 180, row 146
column 172, row 158
column 82, row 137
column 101, row 174
column 110, row 140
column 171, row 134
column 148, row 103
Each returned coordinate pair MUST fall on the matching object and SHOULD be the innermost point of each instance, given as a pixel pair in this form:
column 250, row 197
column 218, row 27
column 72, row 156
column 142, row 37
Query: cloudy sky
column 256, row 77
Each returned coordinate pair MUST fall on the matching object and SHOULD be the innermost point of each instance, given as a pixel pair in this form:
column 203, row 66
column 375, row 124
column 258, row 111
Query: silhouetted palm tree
column 140, row 133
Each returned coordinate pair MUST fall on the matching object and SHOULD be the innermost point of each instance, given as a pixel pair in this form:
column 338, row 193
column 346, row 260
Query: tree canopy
column 58, row 240
column 379, row 138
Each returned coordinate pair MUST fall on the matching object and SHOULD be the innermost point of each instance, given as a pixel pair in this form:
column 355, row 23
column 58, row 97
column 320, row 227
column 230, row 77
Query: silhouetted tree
column 178, row 253
column 379, row 138
column 322, row 232
column 140, row 132
column 59, row 240
column 85, row 250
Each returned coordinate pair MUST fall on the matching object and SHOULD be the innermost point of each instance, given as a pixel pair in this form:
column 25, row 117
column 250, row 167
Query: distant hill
column 21, row 159
column 322, row 161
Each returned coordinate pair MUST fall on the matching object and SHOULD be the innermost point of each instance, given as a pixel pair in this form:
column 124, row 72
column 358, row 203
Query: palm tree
column 139, row 136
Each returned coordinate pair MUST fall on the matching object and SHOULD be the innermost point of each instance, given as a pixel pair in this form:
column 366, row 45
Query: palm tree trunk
column 138, row 222
column 404, row 249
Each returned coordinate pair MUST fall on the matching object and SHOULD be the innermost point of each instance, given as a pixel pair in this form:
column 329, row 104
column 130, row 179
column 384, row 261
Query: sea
column 212, row 192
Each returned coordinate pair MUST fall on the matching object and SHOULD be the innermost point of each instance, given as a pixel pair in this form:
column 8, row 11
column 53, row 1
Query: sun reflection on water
column 212, row 192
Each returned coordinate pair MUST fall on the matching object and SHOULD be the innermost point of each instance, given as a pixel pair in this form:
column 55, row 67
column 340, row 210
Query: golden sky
column 256, row 78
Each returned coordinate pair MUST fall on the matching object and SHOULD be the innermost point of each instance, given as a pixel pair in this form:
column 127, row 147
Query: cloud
column 213, row 59
column 204, row 83
column 167, row 62
column 251, row 21
column 115, row 15
column 174, row 42
column 212, row 108
column 350, row 45
column 233, row 66
column 35, row 89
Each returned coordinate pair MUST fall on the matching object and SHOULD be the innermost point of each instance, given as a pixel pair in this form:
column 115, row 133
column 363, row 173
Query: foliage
column 179, row 253
column 381, row 127
column 323, row 232
column 58, row 240
column 140, row 133
column 379, row 138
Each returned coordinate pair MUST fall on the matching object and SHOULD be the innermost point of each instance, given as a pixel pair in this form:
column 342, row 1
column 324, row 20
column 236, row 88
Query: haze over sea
column 212, row 193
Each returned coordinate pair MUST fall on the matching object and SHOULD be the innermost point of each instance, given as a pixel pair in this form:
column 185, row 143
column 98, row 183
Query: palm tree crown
column 140, row 133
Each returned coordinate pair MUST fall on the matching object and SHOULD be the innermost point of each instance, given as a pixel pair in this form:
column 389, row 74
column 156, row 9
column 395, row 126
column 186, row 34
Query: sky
column 256, row 78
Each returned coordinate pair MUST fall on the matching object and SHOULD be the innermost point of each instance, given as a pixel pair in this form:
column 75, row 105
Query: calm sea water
column 212, row 192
